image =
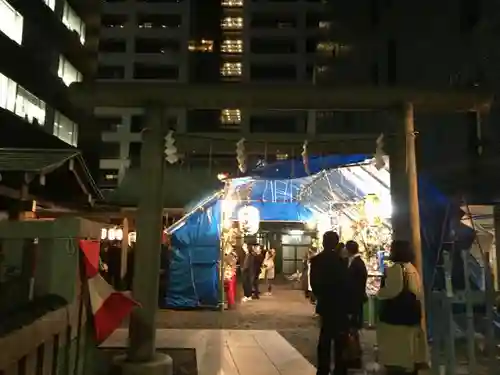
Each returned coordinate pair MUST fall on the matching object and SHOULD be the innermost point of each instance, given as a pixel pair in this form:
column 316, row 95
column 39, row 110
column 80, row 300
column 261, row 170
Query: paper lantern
column 249, row 219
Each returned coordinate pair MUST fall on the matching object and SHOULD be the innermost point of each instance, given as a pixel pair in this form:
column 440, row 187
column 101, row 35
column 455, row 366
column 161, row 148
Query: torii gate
column 156, row 96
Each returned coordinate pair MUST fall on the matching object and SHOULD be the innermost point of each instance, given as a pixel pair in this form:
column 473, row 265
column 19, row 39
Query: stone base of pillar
column 161, row 364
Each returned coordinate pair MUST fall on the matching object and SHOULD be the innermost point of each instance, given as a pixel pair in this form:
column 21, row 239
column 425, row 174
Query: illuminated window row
column 232, row 46
column 336, row 48
column 20, row 101
column 67, row 72
column 232, row 3
column 11, row 22
column 50, row 3
column 74, row 23
column 232, row 23
column 230, row 116
column 202, row 46
column 65, row 129
column 231, row 69
column 28, row 106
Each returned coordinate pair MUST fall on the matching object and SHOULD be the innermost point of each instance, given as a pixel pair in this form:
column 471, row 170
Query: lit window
column 29, row 107
column 11, row 22
column 8, row 90
column 232, row 23
column 230, row 116
column 324, row 24
column 68, row 72
column 231, row 69
column 335, row 48
column 232, row 3
column 281, row 156
column 203, row 46
column 232, row 46
column 74, row 23
column 50, row 3
column 65, row 129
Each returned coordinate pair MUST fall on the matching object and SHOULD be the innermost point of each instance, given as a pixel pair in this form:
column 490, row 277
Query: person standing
column 358, row 276
column 401, row 340
column 247, row 274
column 329, row 285
column 257, row 267
column 269, row 270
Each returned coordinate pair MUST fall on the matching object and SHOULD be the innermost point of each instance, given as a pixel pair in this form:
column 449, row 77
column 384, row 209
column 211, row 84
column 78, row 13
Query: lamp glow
column 111, row 234
column 118, row 234
column 132, row 237
column 249, row 219
column 104, row 233
column 311, row 225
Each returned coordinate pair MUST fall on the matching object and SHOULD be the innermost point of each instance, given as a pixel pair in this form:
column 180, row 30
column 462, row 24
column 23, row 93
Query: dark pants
column 246, row 277
column 330, row 332
column 255, row 287
column 357, row 319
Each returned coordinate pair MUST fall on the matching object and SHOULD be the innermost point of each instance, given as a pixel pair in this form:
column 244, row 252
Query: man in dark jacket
column 247, row 268
column 358, row 275
column 329, row 285
column 258, row 259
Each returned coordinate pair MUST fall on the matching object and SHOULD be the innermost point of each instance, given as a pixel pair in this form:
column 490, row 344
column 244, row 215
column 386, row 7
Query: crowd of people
column 338, row 279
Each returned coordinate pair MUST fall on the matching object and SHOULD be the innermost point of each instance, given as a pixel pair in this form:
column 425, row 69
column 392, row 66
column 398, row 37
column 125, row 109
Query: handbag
column 403, row 310
column 352, row 352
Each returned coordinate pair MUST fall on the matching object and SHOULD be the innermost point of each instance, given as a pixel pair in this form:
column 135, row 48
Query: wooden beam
column 17, row 194
column 225, row 143
column 274, row 96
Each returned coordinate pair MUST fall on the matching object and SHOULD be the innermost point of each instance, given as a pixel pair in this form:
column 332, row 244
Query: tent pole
column 222, row 245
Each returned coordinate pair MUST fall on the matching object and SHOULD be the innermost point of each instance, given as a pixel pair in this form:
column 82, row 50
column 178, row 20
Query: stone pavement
column 230, row 352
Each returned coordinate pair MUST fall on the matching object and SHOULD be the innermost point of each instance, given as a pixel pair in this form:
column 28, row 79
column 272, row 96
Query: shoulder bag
column 403, row 310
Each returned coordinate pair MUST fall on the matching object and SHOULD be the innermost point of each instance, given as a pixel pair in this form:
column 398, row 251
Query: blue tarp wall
column 194, row 279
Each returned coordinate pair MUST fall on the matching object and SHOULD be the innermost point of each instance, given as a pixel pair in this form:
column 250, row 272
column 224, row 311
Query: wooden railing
column 56, row 343
column 44, row 328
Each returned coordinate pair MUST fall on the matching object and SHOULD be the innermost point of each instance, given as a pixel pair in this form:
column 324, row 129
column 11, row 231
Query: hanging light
column 118, row 234
column 104, row 233
column 111, row 234
column 132, row 238
column 249, row 219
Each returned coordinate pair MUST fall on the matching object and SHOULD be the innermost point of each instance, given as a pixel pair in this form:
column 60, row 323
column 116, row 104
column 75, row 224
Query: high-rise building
column 203, row 41
column 357, row 43
column 47, row 45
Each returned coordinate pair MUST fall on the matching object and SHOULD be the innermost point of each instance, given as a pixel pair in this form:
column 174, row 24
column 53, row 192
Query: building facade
column 47, row 45
column 422, row 44
column 203, row 41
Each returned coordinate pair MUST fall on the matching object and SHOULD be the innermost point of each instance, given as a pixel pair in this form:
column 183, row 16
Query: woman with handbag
column 401, row 341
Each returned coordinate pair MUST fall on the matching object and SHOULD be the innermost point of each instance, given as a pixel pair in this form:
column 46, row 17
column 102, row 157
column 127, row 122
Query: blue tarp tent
column 283, row 191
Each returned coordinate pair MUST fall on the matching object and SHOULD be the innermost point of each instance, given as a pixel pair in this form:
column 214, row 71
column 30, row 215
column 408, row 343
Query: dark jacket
column 258, row 259
column 358, row 276
column 248, row 262
column 329, row 281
